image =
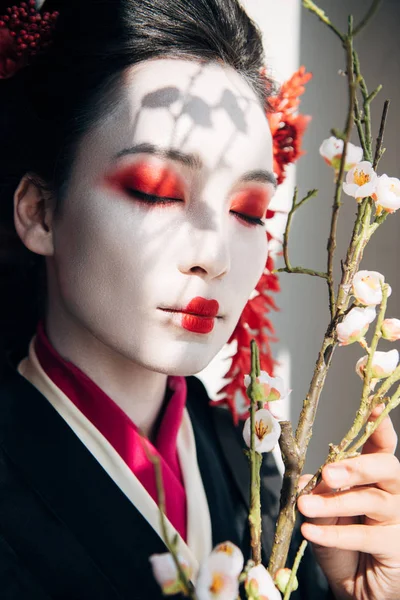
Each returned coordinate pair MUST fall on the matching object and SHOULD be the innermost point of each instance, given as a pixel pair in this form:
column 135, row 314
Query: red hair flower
column 287, row 126
column 24, row 32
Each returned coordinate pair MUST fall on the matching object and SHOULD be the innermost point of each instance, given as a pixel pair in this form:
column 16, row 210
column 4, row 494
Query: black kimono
column 67, row 532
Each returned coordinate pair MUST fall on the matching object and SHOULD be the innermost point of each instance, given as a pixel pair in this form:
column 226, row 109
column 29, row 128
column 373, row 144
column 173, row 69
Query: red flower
column 10, row 62
column 24, row 32
column 287, row 128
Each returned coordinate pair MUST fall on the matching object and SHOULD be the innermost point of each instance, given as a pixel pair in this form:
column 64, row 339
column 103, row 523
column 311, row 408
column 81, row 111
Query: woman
column 134, row 189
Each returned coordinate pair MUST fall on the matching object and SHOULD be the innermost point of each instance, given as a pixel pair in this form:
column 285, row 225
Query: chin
column 180, row 358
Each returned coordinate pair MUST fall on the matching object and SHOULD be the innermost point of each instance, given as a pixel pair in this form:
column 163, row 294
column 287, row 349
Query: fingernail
column 337, row 473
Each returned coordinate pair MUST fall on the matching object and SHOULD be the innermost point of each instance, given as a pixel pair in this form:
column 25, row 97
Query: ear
column 33, row 216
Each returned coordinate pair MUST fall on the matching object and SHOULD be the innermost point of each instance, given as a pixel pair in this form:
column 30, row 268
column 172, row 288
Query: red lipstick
column 201, row 307
column 198, row 316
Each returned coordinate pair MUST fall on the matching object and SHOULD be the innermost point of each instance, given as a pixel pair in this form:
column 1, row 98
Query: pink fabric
column 121, row 432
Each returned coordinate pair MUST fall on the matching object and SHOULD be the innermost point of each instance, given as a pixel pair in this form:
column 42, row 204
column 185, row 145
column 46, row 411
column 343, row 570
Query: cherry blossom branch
column 361, row 234
column 340, row 451
column 291, row 459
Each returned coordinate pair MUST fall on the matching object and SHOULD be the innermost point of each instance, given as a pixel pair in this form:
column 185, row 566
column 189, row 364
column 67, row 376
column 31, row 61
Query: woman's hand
column 354, row 520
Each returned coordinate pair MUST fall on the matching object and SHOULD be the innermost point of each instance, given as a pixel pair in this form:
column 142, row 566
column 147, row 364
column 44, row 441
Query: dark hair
column 47, row 107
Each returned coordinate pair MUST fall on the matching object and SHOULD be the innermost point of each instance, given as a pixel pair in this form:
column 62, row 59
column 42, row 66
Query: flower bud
column 387, row 194
column 268, row 389
column 383, row 364
column 355, row 325
column 367, row 287
column 259, row 584
column 331, row 151
column 282, row 577
column 391, row 329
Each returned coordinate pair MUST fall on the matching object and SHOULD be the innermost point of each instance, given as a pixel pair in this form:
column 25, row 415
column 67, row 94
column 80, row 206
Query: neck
column 138, row 391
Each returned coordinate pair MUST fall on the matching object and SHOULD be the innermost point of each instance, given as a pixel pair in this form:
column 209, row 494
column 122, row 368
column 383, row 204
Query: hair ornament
column 287, row 129
column 24, row 32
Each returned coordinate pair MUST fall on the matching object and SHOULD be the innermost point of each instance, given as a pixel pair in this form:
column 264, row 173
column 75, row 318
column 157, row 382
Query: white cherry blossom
column 267, row 431
column 391, row 329
column 383, row 364
column 331, row 151
column 367, row 287
column 166, row 573
column 217, row 578
column 355, row 325
column 259, row 584
column 235, row 556
column 387, row 194
column 361, row 181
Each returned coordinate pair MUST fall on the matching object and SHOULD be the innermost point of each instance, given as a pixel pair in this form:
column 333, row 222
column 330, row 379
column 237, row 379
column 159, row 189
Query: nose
column 207, row 254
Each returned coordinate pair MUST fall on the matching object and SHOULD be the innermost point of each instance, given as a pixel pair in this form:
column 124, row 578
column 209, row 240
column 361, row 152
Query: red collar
column 120, row 431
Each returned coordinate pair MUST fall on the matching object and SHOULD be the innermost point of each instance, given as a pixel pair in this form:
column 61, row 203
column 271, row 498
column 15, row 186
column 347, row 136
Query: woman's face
column 165, row 205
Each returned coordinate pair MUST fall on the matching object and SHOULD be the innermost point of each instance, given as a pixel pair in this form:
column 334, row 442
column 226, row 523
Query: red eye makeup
column 251, row 203
column 148, row 179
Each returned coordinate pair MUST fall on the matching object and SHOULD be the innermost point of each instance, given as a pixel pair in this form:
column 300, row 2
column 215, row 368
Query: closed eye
column 151, row 198
column 248, row 218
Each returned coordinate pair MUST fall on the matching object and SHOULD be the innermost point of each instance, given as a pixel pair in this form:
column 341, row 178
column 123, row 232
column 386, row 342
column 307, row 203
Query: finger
column 369, row 501
column 380, row 541
column 380, row 469
column 384, row 438
column 321, row 488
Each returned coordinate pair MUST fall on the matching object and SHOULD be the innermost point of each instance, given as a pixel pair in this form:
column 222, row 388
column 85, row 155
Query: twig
column 373, row 9
column 373, row 425
column 255, row 463
column 366, row 106
column 295, row 568
column 285, row 246
column 312, row 7
column 302, row 271
column 188, row 588
column 338, row 191
column 379, row 139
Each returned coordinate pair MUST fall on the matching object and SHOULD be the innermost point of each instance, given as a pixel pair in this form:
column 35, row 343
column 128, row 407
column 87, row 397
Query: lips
column 198, row 316
column 202, row 308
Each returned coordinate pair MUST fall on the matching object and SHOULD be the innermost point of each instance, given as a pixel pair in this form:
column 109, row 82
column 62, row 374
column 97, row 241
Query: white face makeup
column 196, row 137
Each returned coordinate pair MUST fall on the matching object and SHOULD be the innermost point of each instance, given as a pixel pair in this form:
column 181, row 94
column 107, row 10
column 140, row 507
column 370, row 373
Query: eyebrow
column 193, row 161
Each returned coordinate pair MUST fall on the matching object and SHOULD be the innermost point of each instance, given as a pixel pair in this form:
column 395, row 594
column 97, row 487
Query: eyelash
column 152, row 199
